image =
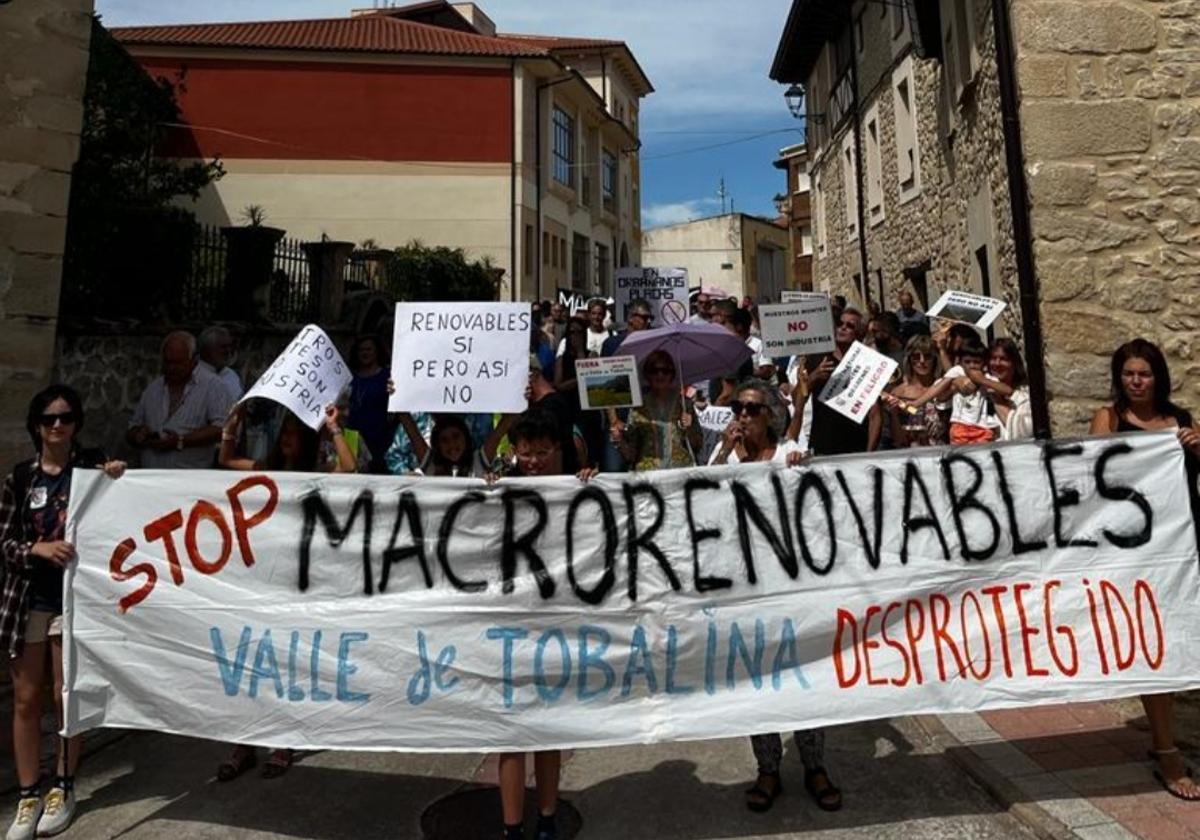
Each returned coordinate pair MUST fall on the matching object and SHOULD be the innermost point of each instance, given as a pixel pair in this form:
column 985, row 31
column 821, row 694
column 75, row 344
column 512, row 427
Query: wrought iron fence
column 202, row 292
column 290, row 298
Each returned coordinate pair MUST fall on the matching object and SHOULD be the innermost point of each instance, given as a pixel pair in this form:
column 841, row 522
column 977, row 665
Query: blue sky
column 708, row 61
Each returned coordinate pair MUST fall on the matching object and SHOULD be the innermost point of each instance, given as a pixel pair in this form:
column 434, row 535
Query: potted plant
column 249, row 259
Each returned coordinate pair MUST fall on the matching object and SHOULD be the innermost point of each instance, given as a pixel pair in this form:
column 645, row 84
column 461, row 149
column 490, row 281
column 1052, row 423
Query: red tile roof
column 557, row 42
column 365, row 33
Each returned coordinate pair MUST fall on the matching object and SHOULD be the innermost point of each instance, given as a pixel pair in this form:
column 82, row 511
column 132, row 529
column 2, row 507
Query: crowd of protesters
column 950, row 388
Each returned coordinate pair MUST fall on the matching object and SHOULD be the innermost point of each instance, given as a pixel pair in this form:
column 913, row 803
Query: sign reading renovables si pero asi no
column 386, row 613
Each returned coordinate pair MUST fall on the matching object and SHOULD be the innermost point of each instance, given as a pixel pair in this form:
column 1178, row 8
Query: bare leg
column 28, row 675
column 512, row 787
column 1159, row 714
column 74, row 743
column 547, row 766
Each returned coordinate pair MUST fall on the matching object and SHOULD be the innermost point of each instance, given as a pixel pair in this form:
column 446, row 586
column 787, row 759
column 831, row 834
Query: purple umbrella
column 700, row 351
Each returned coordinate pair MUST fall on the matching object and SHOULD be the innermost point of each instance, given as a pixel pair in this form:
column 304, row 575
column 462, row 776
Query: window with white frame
column 806, row 241
column 563, row 148
column 960, row 48
column 608, row 180
column 873, row 139
column 908, row 153
column 850, row 185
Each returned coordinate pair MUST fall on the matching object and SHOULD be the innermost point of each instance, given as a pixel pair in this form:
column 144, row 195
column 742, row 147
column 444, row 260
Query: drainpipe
column 512, row 189
column 1018, row 193
column 859, row 165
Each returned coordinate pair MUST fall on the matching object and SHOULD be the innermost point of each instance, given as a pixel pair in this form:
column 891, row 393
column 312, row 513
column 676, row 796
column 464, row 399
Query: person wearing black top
column 833, row 433
column 1141, row 389
column 33, row 516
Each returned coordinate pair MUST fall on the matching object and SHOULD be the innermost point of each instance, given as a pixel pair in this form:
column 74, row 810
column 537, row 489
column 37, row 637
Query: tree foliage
column 416, row 272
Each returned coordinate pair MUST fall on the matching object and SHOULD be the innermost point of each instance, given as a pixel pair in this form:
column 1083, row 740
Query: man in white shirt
column 178, row 418
column 597, row 333
column 216, row 352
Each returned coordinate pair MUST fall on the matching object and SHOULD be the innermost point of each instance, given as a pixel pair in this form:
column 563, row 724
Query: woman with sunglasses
column 756, row 434
column 924, row 426
column 33, row 516
column 663, row 432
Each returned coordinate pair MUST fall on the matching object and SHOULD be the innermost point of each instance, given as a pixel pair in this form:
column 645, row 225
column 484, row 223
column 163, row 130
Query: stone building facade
column 1108, row 102
column 43, row 68
column 795, row 211
column 1111, row 121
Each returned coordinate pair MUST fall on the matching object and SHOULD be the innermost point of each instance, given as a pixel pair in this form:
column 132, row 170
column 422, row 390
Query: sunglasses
column 752, row 408
column 921, row 357
column 642, row 315
column 48, row 420
column 853, row 325
column 665, row 371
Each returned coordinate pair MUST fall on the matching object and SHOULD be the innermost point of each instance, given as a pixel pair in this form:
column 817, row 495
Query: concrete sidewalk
column 898, row 783
column 1076, row 769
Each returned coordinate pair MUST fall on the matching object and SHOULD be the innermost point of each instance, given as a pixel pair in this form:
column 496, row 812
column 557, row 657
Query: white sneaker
column 57, row 810
column 24, row 824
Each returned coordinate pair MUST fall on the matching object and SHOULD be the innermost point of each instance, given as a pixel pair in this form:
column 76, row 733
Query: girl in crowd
column 537, row 445
column 1013, row 411
column 663, row 433
column 1141, row 389
column 924, row 426
column 33, row 515
column 297, row 449
column 451, row 449
column 576, row 347
column 368, row 398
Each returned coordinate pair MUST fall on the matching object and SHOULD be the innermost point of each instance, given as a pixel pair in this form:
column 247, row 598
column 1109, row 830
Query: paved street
column 897, row 783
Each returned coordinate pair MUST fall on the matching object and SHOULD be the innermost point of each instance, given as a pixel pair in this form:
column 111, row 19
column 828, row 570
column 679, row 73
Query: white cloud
column 656, row 215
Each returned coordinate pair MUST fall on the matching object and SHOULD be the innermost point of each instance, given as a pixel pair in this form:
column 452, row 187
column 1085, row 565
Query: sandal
column 758, row 798
column 822, row 790
column 278, row 764
column 243, row 759
column 1174, row 786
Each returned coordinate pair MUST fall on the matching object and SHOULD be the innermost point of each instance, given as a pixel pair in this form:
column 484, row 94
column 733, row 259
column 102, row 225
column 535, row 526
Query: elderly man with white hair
column 178, row 419
column 216, row 349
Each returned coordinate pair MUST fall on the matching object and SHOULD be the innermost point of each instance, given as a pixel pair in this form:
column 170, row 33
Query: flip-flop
column 763, row 799
column 1167, row 786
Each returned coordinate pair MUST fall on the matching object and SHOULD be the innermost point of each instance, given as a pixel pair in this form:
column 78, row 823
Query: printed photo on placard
column 608, row 383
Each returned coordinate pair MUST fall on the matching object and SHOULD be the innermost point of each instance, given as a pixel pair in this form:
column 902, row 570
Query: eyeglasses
column 66, row 419
column 645, row 316
column 665, row 371
column 921, row 357
column 752, row 408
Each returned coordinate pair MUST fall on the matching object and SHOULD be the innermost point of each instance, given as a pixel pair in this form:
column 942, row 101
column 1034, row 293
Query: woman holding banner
column 756, row 434
column 33, row 515
column 297, row 449
column 1141, row 389
column 663, row 433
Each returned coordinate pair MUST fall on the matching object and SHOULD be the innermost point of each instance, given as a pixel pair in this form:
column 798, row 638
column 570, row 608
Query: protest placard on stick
column 978, row 311
column 665, row 289
column 608, row 383
column 796, row 328
column 857, row 382
column 460, row 357
column 715, row 418
column 305, row 377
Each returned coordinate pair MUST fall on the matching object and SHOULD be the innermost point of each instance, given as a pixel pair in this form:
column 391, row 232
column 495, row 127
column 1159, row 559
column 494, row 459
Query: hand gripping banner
column 430, row 614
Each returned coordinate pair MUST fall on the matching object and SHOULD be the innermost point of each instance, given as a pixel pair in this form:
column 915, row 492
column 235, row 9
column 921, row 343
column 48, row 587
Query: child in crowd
column 972, row 416
column 451, row 448
column 537, row 443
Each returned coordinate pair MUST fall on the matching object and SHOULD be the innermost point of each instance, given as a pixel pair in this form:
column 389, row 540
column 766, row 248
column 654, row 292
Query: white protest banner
column 573, row 300
column 384, row 613
column 796, row 296
column 610, row 382
column 305, row 377
column 976, row 310
column 665, row 289
column 460, row 357
column 800, row 328
column 857, row 382
column 715, row 418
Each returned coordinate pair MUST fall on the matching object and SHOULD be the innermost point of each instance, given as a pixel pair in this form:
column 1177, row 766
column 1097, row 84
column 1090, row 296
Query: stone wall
column 1111, row 122
column 111, row 370
column 963, row 178
column 43, row 68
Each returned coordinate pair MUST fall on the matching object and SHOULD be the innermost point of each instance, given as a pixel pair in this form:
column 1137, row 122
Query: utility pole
column 721, row 194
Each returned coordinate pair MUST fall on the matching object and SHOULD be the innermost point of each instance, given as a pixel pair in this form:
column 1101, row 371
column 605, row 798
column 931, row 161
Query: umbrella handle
column 683, row 406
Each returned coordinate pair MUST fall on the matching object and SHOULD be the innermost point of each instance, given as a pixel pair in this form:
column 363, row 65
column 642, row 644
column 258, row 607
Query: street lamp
column 795, row 97
column 782, row 204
